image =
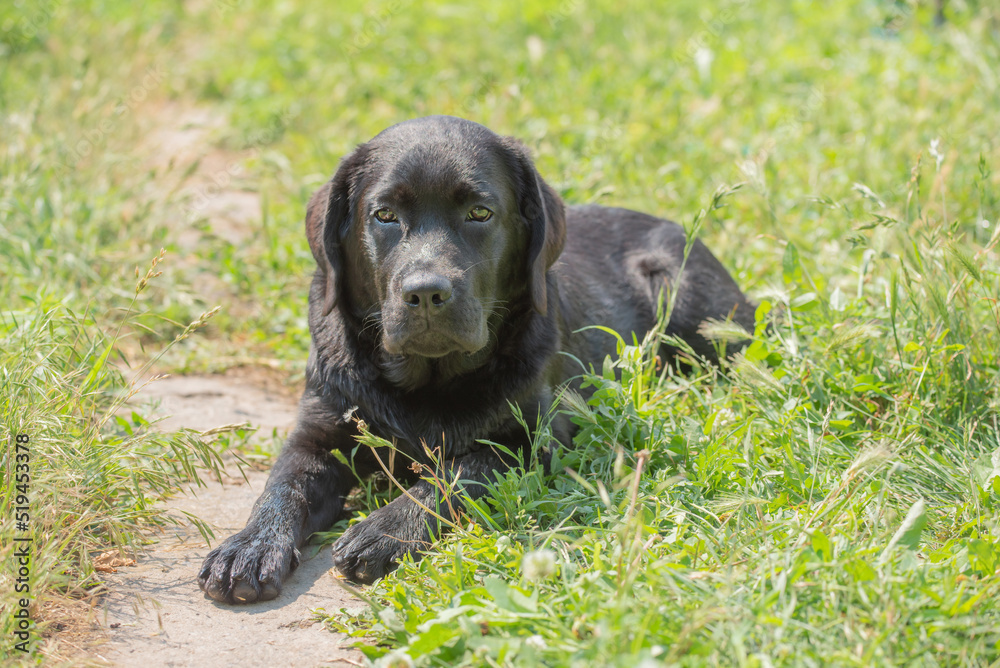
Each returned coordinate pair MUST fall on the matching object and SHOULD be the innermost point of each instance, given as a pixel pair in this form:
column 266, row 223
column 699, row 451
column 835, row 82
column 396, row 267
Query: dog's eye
column 480, row 214
column 386, row 216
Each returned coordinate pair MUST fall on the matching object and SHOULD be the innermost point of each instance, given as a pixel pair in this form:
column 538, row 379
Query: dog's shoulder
column 604, row 227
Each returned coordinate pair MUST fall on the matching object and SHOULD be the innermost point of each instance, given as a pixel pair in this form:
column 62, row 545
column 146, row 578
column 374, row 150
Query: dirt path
column 155, row 614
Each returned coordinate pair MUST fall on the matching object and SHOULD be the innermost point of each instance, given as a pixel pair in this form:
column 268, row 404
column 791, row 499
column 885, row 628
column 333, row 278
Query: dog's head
column 433, row 229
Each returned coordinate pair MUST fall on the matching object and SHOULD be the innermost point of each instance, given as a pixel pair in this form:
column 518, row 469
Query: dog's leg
column 305, row 493
column 408, row 525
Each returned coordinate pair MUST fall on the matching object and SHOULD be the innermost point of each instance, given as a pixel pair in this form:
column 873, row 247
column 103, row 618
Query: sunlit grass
column 83, row 469
column 767, row 523
column 800, row 508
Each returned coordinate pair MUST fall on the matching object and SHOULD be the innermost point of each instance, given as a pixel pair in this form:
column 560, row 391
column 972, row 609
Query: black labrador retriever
column 450, row 275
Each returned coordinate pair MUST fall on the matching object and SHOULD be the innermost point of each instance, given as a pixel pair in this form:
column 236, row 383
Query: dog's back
column 612, row 270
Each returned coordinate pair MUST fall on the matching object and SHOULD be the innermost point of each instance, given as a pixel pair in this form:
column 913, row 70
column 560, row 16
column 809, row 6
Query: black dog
column 443, row 292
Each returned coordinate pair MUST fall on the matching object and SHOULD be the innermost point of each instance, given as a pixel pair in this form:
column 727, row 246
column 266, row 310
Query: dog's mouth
column 430, row 342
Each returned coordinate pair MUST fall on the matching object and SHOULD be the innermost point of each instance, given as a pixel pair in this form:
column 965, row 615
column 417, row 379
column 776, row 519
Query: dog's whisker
column 372, row 321
column 361, row 401
column 463, row 272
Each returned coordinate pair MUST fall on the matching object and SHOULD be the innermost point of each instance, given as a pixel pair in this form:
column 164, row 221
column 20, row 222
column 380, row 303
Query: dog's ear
column 316, row 220
column 328, row 214
column 545, row 216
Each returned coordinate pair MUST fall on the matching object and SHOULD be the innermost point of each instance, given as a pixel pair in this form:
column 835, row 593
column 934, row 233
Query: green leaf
column 371, row 652
column 908, row 534
column 435, row 636
column 805, row 302
column 838, row 300
column 860, row 570
column 526, row 603
column 498, row 589
column 96, row 370
column 709, row 422
column 822, row 545
column 791, row 268
column 762, row 310
column 608, row 371
column 756, row 351
column 984, row 557
column 987, row 467
column 866, row 382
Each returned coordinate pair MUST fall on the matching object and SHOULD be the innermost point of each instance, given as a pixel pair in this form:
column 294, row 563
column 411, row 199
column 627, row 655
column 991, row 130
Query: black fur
column 435, row 365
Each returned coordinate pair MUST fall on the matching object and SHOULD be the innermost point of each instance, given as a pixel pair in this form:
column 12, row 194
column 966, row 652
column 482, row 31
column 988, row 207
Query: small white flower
column 396, row 659
column 389, row 619
column 536, row 48
column 536, row 641
column 725, row 416
column 703, row 58
column 538, row 565
column 838, row 300
column 936, row 153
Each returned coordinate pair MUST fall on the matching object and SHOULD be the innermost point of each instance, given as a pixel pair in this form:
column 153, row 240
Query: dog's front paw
column 373, row 547
column 249, row 566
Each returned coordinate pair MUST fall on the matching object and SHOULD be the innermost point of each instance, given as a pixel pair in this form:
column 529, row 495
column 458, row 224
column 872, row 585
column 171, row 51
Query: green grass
column 831, row 498
column 828, row 498
column 82, row 468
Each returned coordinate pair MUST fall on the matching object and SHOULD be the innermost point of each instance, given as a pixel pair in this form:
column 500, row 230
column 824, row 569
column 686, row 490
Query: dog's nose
column 426, row 290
